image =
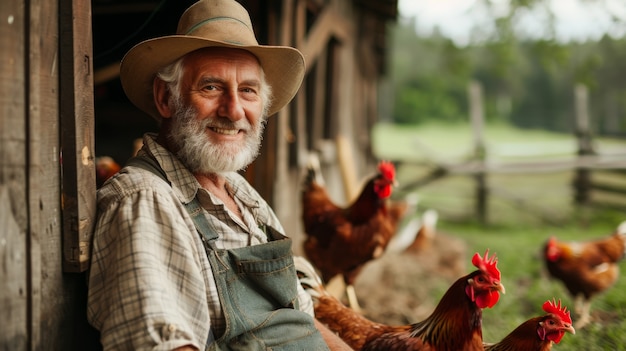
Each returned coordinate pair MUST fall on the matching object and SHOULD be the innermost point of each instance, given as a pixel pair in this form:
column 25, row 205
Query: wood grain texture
column 13, row 209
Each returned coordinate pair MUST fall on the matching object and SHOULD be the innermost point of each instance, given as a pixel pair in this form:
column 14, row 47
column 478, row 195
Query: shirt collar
column 184, row 184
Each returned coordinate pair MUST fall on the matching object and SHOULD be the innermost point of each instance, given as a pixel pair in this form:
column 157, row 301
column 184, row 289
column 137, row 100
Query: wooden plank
column 300, row 109
column 582, row 178
column 107, row 73
column 77, row 122
column 327, row 26
column 280, row 194
column 14, row 292
column 591, row 162
column 57, row 315
column 318, row 116
column 610, row 188
column 345, row 157
column 475, row 93
column 38, row 88
column 14, row 335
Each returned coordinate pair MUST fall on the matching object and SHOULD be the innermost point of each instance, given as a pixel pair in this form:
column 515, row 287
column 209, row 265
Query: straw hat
column 209, row 23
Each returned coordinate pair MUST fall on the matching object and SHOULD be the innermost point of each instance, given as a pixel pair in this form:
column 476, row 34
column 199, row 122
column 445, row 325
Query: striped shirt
column 150, row 283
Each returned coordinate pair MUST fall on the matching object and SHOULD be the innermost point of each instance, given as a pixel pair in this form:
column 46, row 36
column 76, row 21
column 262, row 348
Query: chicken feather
column 586, row 268
column 455, row 324
column 341, row 240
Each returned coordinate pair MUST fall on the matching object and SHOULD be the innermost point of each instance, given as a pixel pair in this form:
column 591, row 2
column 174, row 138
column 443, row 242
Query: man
column 186, row 255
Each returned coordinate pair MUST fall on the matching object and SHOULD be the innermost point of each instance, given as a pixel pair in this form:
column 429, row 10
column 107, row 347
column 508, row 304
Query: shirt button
column 171, row 328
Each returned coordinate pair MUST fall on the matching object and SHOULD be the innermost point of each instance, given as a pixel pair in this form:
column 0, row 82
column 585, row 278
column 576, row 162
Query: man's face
column 217, row 124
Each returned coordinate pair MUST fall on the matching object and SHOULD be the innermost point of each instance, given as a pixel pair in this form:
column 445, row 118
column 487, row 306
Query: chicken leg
column 583, row 308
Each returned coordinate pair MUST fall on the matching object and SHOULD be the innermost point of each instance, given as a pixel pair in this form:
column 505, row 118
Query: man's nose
column 231, row 107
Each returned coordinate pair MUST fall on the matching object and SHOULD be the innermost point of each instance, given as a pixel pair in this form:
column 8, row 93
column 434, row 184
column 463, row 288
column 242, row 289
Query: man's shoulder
column 132, row 180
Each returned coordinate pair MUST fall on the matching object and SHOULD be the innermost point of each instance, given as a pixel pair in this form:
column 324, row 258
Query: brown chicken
column 416, row 235
column 586, row 268
column 342, row 240
column 106, row 167
column 454, row 325
column 539, row 333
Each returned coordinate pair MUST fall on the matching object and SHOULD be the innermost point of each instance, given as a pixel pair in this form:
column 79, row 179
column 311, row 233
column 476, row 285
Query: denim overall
column 257, row 290
column 256, row 287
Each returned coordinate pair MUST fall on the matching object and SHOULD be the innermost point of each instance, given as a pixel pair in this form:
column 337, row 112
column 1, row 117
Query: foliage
column 528, row 82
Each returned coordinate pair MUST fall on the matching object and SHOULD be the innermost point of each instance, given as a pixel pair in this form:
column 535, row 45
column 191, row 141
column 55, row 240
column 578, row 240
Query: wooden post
column 14, row 299
column 582, row 177
column 77, row 133
column 281, row 173
column 477, row 120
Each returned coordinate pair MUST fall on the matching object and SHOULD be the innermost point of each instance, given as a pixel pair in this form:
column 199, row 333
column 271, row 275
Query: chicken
column 342, row 240
column 538, row 333
column 417, row 235
column 106, row 167
column 454, row 325
column 586, row 268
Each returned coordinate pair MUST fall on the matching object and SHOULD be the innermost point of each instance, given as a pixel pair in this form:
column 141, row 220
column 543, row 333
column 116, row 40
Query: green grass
column 528, row 286
column 523, row 211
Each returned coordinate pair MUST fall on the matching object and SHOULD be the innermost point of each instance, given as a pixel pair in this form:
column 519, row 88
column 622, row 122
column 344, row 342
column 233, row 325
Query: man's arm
column 334, row 342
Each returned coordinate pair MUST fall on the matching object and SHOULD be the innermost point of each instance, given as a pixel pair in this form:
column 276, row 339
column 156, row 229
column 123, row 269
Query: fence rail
column 577, row 156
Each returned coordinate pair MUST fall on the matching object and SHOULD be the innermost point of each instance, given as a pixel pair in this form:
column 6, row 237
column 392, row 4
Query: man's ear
column 161, row 95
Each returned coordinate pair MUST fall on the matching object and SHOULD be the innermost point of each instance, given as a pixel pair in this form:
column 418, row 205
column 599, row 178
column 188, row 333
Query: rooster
column 454, row 325
column 586, row 268
column 342, row 240
column 539, row 333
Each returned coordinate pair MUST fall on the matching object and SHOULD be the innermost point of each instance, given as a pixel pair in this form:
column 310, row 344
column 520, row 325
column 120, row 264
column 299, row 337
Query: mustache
column 225, row 123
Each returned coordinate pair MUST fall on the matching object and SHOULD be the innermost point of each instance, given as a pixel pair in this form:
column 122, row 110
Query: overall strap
column 193, row 208
column 148, row 164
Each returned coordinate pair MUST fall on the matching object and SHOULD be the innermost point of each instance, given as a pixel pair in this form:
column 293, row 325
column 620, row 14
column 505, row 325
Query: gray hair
column 172, row 75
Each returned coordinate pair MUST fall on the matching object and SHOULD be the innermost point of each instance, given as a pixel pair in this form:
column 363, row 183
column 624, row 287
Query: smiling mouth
column 225, row 131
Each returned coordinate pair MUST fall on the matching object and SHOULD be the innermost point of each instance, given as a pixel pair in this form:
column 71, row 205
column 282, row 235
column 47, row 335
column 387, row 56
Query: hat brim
column 283, row 66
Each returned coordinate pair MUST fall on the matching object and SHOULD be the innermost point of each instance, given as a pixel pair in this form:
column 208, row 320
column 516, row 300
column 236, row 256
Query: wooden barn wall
column 46, row 147
column 332, row 112
column 42, row 307
column 335, row 101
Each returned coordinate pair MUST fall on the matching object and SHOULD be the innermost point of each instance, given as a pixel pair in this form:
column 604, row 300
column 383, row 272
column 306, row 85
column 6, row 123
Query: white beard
column 200, row 155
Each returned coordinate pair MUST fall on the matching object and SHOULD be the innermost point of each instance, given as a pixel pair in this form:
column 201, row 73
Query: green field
column 543, row 198
column 523, row 211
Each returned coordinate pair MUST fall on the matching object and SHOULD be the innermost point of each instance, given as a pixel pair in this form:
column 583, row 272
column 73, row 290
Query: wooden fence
column 585, row 164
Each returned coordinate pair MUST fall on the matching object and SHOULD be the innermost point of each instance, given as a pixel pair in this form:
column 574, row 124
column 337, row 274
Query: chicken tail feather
column 309, row 279
column 314, row 170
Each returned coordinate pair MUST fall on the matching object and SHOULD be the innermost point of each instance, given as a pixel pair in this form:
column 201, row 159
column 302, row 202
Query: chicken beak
column 498, row 286
column 569, row 328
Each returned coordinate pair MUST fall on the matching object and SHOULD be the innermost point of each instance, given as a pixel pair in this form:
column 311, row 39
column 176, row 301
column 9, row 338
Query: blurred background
column 502, row 95
column 509, row 119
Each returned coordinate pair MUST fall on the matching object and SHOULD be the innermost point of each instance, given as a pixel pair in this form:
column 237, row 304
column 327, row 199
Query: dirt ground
column 396, row 288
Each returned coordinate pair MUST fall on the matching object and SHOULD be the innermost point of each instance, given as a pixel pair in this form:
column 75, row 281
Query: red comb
column 487, row 264
column 557, row 309
column 387, row 169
